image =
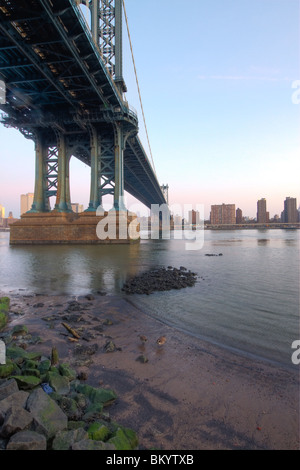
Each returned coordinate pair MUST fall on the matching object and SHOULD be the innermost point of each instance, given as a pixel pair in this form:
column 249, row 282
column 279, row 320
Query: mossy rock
column 3, row 320
column 19, row 355
column 30, row 364
column 65, row 439
column 4, row 304
column 44, row 366
column 26, row 382
column 68, row 405
column 7, row 369
column 93, row 412
column 124, row 439
column 16, row 353
column 97, row 395
column 54, row 370
column 19, row 330
column 33, row 372
column 59, row 383
column 75, row 424
column 98, row 431
column 66, row 371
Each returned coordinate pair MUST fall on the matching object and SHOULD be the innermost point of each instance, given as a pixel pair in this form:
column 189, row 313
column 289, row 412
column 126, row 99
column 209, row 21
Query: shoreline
column 231, row 349
column 185, row 395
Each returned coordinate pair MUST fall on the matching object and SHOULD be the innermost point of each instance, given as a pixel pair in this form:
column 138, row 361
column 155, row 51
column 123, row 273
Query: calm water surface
column 247, row 299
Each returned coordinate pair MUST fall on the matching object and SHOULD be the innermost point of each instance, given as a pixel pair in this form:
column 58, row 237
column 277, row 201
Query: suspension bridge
column 64, row 89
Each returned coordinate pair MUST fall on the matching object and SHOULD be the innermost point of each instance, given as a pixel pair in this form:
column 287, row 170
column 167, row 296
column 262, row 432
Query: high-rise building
column 194, row 217
column 222, row 214
column 290, row 213
column 26, row 202
column 262, row 214
column 239, row 216
column 2, row 212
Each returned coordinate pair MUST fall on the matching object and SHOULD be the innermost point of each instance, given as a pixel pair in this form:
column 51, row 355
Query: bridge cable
column 137, row 82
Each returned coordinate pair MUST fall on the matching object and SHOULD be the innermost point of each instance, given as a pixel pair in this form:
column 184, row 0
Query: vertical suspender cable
column 137, row 82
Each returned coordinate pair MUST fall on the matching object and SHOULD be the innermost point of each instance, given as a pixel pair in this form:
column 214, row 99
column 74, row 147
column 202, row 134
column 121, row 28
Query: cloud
column 246, row 77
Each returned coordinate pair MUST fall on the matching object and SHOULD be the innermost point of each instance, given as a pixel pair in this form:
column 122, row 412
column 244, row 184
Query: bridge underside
column 60, row 94
column 56, row 81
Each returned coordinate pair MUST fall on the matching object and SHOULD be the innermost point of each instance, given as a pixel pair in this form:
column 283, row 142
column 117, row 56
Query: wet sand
column 189, row 395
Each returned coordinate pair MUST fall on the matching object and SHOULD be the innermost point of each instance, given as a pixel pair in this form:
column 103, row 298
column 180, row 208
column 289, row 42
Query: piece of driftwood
column 71, row 330
column 54, row 356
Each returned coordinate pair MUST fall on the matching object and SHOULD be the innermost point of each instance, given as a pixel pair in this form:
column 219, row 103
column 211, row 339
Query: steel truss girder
column 51, row 173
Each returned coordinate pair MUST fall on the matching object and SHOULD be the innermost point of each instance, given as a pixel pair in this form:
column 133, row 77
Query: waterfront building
column 239, row 216
column 262, row 214
column 178, row 220
column 222, row 214
column 194, row 218
column 290, row 213
column 26, row 202
column 2, row 212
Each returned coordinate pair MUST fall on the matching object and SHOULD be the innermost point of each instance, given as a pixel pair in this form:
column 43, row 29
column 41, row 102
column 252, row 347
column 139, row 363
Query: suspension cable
column 137, row 82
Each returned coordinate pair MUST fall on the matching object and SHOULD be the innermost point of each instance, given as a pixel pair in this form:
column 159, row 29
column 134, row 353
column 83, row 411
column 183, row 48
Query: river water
column 247, row 299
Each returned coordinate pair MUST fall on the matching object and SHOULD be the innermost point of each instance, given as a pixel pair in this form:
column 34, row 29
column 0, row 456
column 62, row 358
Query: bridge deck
column 55, row 78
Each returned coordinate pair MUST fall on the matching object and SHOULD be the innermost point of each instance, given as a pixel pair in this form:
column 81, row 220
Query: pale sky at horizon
column 216, row 80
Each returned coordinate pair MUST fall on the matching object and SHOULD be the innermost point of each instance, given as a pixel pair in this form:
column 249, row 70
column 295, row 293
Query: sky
column 220, row 88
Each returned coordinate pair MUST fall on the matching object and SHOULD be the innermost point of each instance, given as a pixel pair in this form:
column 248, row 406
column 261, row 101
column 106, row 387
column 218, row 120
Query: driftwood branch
column 71, row 330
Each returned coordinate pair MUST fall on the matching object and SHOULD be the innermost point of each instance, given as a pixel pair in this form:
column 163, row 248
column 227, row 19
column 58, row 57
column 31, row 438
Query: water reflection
column 69, row 269
column 263, row 241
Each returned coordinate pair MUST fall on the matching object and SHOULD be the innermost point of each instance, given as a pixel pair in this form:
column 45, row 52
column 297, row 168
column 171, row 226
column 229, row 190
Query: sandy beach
column 186, row 394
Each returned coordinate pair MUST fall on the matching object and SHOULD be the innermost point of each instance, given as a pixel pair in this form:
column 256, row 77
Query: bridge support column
column 39, row 200
column 95, row 196
column 119, row 204
column 63, row 200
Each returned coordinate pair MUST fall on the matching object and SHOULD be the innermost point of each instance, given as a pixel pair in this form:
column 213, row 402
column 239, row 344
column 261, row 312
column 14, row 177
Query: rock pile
column 46, row 407
column 161, row 279
column 44, row 404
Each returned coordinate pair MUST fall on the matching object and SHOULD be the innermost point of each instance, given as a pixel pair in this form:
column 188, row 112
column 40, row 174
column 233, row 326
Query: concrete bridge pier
column 40, row 225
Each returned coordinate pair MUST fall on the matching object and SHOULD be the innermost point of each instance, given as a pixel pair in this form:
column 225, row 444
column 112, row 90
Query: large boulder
column 16, row 419
column 18, row 398
column 48, row 417
column 27, row 440
column 7, row 387
column 64, row 440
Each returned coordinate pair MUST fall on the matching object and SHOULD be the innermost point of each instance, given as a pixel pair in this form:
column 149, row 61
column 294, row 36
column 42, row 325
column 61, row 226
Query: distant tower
column 26, row 202
column 165, row 191
column 290, row 210
column 262, row 211
column 239, row 216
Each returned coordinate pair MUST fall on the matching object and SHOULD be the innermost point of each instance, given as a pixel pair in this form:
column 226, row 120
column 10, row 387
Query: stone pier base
column 56, row 228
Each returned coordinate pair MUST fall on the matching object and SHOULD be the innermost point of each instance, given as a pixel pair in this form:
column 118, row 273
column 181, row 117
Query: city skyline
column 219, row 105
column 289, row 205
